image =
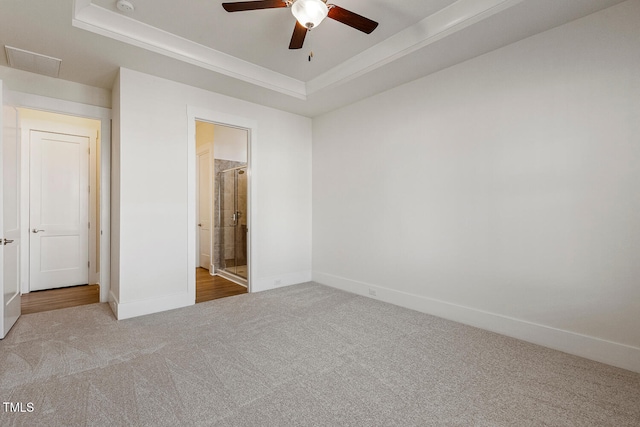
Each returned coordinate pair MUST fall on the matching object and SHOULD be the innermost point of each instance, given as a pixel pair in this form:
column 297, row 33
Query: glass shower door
column 241, row 223
column 234, row 221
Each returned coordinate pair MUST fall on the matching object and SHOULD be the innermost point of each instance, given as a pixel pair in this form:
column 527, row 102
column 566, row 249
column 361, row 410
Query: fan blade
column 240, row 6
column 351, row 19
column 297, row 39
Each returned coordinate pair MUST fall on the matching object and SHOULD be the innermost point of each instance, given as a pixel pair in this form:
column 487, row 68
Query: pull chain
column 310, row 45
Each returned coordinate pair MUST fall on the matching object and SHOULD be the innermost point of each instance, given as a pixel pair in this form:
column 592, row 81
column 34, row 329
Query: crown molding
column 452, row 18
column 455, row 17
column 96, row 19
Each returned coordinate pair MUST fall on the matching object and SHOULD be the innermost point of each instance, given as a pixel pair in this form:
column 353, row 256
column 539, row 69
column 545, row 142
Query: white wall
column 152, row 167
column 36, row 84
column 230, row 143
column 502, row 192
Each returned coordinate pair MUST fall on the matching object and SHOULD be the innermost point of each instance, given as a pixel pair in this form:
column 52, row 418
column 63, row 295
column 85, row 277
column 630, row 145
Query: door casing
column 204, row 186
column 103, row 200
column 224, row 119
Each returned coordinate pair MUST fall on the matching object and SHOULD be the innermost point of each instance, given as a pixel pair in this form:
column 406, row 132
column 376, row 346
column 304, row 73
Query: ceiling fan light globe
column 309, row 13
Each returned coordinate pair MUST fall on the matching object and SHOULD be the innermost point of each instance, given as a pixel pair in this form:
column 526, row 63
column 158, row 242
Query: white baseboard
column 279, row 281
column 113, row 303
column 611, row 353
column 148, row 306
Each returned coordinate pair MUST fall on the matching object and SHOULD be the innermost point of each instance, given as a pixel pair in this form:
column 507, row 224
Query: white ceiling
column 262, row 36
column 246, row 55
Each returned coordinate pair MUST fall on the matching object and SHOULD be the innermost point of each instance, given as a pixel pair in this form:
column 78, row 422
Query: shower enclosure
column 232, row 213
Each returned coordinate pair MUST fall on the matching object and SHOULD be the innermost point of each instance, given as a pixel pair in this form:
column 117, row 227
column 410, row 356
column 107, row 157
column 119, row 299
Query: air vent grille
column 33, row 62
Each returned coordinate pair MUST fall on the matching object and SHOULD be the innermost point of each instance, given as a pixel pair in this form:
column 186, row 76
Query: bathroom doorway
column 222, row 210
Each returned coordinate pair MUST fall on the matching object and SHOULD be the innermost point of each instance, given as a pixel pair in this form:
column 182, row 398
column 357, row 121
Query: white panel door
column 9, row 220
column 204, row 207
column 59, row 210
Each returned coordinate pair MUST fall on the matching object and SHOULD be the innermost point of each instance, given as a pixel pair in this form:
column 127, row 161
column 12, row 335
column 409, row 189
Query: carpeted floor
column 305, row 355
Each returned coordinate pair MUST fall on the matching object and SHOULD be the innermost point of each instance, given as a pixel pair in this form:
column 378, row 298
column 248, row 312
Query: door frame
column 208, row 149
column 223, row 119
column 71, row 108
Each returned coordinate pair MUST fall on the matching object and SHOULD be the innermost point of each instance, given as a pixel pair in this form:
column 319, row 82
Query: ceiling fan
column 308, row 13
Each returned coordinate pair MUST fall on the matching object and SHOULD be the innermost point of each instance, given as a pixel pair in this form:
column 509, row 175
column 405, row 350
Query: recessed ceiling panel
column 262, row 36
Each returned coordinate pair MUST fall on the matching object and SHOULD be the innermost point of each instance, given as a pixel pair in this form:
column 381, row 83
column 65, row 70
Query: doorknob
column 35, row 230
column 6, row 241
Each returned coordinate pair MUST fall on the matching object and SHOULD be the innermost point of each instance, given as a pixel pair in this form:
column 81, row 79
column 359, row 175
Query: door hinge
column 88, row 264
column 89, row 225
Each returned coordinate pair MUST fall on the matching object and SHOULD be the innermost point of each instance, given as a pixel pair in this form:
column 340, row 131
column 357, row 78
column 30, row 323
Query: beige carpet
column 305, row 355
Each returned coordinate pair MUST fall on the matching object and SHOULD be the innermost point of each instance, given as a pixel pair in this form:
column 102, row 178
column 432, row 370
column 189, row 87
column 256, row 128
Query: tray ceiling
column 246, row 55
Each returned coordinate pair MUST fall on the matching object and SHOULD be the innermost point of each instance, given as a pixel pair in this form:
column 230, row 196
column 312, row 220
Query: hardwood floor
column 207, row 288
column 54, row 299
column 210, row 287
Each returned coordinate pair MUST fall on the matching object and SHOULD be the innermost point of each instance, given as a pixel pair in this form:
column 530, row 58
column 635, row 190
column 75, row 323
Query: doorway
column 19, row 111
column 222, row 210
column 60, row 200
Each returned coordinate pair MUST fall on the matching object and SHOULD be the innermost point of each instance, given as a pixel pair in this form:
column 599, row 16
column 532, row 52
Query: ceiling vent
column 33, row 62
